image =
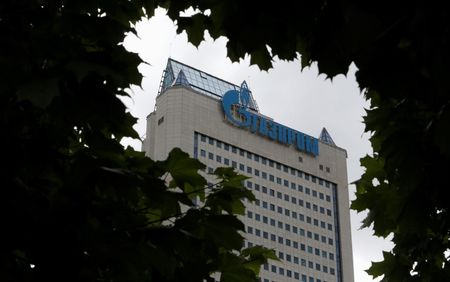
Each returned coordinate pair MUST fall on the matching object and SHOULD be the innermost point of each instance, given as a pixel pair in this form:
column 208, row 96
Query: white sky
column 299, row 99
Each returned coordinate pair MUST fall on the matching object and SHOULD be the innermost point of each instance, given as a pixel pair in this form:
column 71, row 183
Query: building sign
column 235, row 106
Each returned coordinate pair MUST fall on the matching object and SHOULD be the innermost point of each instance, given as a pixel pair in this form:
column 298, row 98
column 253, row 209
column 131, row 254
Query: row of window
column 293, row 214
column 265, row 161
column 288, row 198
column 300, row 277
column 290, row 228
column 289, row 243
column 267, row 176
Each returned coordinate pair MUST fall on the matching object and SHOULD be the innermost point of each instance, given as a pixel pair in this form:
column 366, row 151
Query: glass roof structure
column 177, row 73
column 325, row 137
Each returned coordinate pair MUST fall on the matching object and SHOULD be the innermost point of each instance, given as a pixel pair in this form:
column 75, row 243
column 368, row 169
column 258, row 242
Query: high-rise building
column 300, row 182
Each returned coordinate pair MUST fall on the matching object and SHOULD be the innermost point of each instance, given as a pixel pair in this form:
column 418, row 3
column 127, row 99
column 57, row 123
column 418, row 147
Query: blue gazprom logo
column 235, row 106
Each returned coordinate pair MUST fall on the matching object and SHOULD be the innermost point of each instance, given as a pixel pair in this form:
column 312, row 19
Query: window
column 309, row 234
column 278, row 166
column 226, row 147
column 233, row 149
column 281, row 271
column 327, row 169
column 218, row 159
column 241, row 167
column 321, row 196
column 321, row 167
column 285, row 169
column 316, row 251
column 264, row 204
column 306, row 176
column 328, row 198
column 286, row 183
column 211, row 141
column 249, row 184
column 317, row 267
column 293, row 186
column 330, row 241
column 272, row 222
column 271, row 163
column 241, row 152
column 265, row 218
column 325, row 268
column 274, row 269
column 256, row 172
column 294, row 228
column 278, row 180
column 226, row 161
column 288, row 242
column 264, row 189
column 211, row 156
column 203, row 153
column 288, row 273
column 279, row 195
column 280, row 210
column 264, row 175
column 265, row 235
column 233, row 164
column 280, row 240
column 323, row 239
column 256, row 158
column 308, row 219
column 286, row 197
column 273, row 237
column 316, row 222
column 249, row 155
column 281, row 255
column 331, row 256
column 315, row 207
column 257, row 232
column 314, row 193
column 249, row 230
column 272, row 207
column 219, row 144
column 263, row 160
column 271, row 178
column 332, row 271
column 307, row 191
column 249, row 170
column 308, row 205
column 322, row 224
column 292, row 171
column 294, row 200
column 272, row 192
column 257, row 217
column 316, row 236
column 203, row 138
column 249, row 214
column 330, row 227
column 287, row 227
column 300, row 159
column 294, row 215
column 300, row 188
column 324, row 254
column 313, row 179
column 322, row 210
column 296, row 260
column 328, row 212
column 295, row 244
column 286, row 212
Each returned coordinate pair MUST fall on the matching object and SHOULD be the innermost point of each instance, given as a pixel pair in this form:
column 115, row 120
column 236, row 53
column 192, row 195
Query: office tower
column 300, row 182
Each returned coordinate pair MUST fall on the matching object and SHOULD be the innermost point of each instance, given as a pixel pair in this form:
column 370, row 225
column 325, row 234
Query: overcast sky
column 299, row 99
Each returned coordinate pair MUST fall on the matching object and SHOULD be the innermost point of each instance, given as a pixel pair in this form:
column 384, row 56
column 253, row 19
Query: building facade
column 300, row 182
